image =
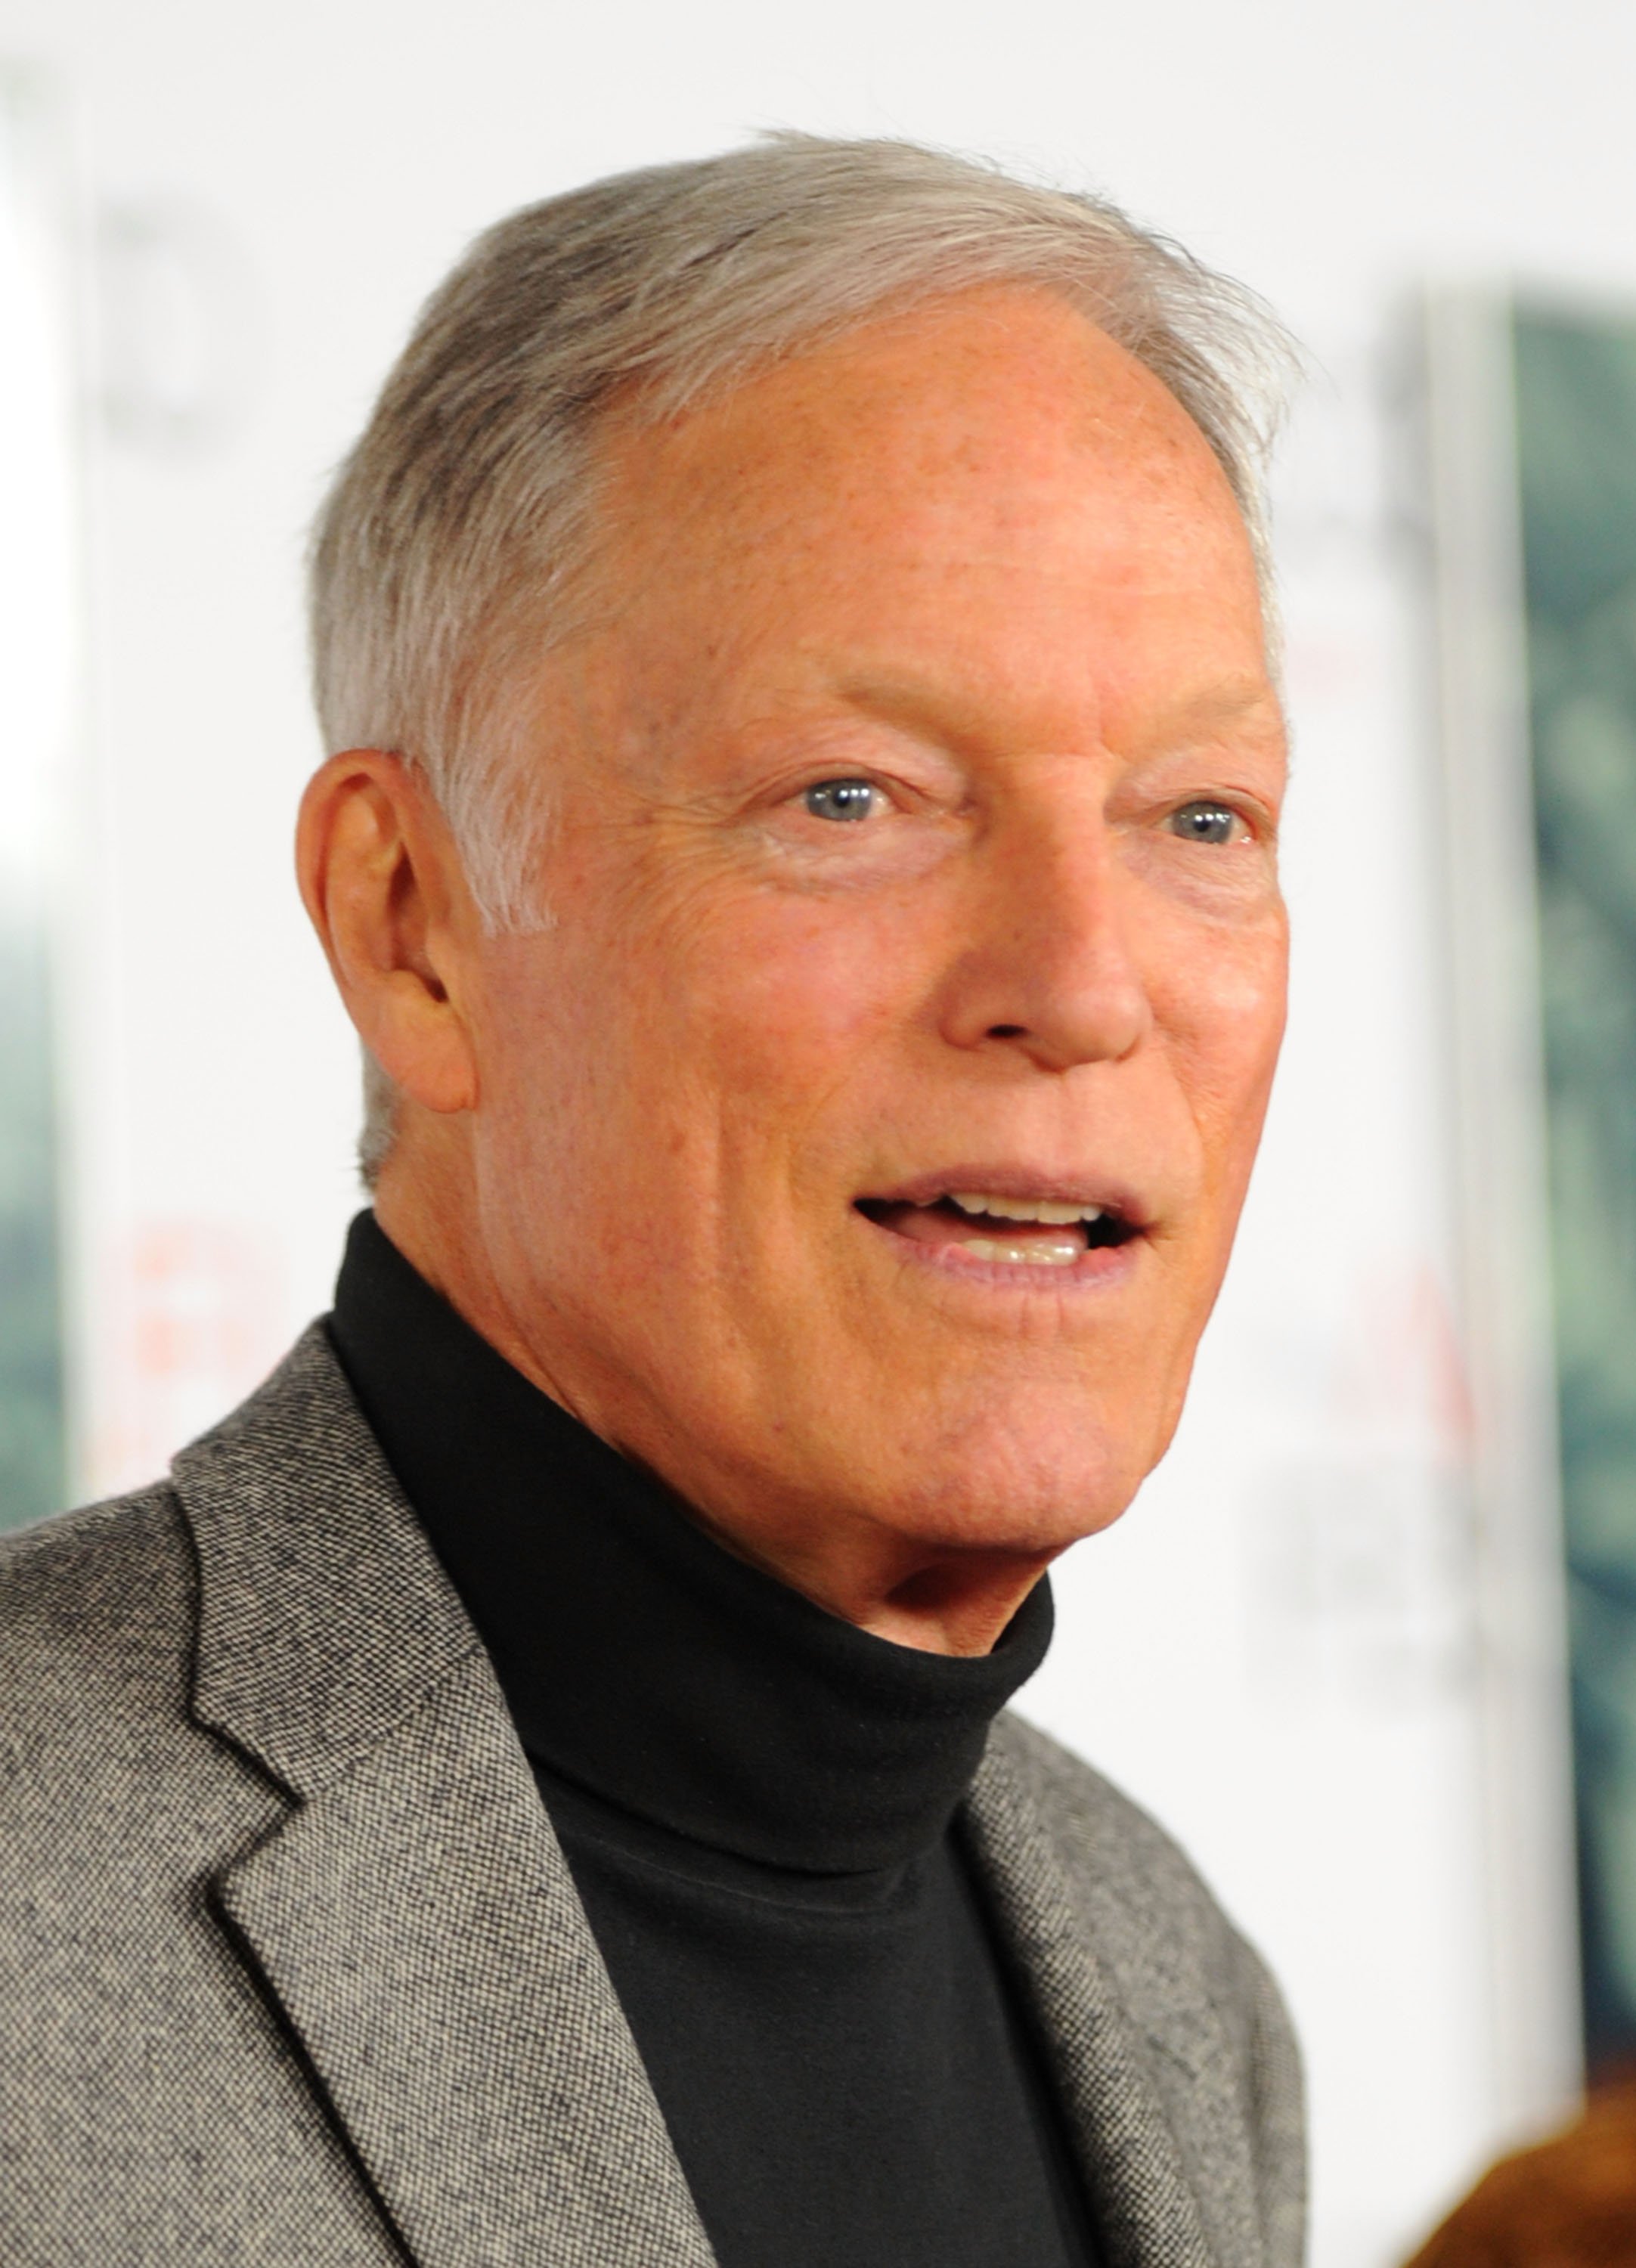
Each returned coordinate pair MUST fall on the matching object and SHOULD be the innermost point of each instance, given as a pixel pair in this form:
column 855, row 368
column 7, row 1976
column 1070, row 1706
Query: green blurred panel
column 32, row 1460
column 1576, row 422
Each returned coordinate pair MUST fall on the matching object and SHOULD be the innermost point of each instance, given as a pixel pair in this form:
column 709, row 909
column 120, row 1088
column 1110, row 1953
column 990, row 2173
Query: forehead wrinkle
column 951, row 716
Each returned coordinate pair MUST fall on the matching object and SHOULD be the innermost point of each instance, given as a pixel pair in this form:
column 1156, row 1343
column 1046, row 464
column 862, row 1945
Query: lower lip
column 1103, row 1267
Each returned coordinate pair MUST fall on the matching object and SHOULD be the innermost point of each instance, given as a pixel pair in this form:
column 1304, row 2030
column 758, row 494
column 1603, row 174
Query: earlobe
column 380, row 879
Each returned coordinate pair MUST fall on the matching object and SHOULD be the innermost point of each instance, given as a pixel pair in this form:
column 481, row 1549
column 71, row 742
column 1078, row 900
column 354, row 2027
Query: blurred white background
column 1281, row 1651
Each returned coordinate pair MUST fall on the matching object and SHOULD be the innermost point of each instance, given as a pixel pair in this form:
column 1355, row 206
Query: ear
column 381, row 879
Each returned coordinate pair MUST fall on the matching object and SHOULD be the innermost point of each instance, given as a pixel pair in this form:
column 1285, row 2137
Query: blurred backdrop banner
column 1575, row 393
column 39, row 654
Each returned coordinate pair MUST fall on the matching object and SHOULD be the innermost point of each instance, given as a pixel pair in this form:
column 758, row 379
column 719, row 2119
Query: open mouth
column 1015, row 1232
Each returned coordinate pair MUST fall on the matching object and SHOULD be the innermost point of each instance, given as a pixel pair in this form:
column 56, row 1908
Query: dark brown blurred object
column 1568, row 2203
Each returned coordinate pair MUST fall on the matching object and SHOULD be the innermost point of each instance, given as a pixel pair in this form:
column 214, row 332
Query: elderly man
column 800, row 856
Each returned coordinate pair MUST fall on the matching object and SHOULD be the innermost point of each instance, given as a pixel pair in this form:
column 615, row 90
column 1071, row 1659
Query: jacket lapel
column 1151, row 2101
column 412, row 1917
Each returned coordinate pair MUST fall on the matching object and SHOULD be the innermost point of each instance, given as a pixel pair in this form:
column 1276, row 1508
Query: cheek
column 1220, row 1004
column 790, row 996
column 542, row 1058
column 648, row 1044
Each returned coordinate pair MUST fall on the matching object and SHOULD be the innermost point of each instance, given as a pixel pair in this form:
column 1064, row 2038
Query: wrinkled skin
column 977, row 563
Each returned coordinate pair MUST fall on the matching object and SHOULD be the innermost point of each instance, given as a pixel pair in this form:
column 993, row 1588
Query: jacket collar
column 1118, row 1971
column 412, row 1919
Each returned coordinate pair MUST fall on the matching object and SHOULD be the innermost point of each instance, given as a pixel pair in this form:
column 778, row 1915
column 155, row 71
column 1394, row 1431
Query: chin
column 1011, row 1487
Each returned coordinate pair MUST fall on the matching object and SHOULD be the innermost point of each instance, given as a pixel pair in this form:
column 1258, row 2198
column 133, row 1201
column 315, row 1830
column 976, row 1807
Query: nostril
column 1007, row 1031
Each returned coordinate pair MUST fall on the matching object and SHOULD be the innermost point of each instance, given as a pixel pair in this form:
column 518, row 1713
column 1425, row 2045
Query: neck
column 644, row 1665
column 936, row 1599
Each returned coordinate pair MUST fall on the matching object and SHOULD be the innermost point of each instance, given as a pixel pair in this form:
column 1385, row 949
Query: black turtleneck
column 758, row 1803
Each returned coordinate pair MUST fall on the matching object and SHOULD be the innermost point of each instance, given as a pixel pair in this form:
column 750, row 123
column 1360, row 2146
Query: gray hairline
column 445, row 678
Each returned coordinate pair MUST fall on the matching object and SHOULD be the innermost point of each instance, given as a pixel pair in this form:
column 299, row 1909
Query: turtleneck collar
column 640, row 1660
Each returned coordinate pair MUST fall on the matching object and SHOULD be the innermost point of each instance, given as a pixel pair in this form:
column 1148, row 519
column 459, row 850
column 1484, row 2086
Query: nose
column 1049, row 969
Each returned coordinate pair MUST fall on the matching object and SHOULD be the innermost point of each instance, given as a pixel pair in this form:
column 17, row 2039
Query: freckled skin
column 979, row 557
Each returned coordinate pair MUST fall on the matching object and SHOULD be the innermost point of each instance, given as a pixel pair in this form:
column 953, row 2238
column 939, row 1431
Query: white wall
column 1275, row 1649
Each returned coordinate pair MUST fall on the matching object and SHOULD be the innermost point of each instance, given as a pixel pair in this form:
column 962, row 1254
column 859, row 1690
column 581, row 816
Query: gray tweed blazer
column 293, row 1970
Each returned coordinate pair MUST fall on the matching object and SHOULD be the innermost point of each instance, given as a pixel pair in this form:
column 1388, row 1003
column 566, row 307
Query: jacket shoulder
column 1107, row 1847
column 148, row 2109
column 98, row 1629
column 92, row 1597
column 1099, row 1830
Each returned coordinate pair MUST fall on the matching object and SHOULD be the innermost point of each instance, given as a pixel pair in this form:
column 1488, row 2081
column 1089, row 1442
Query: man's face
column 860, row 1144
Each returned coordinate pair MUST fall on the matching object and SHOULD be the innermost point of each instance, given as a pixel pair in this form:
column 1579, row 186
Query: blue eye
column 1202, row 822
column 841, row 798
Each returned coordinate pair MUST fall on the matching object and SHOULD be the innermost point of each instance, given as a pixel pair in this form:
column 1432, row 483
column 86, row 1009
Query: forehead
column 975, row 397
column 988, row 483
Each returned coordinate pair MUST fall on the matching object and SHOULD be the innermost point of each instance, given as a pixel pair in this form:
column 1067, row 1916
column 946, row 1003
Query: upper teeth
column 1055, row 1216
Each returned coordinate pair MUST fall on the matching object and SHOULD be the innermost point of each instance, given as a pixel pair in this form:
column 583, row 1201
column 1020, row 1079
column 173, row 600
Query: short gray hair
column 444, row 559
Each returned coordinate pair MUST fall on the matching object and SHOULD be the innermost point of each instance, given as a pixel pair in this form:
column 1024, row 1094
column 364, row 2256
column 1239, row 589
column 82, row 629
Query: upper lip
column 1024, row 1182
